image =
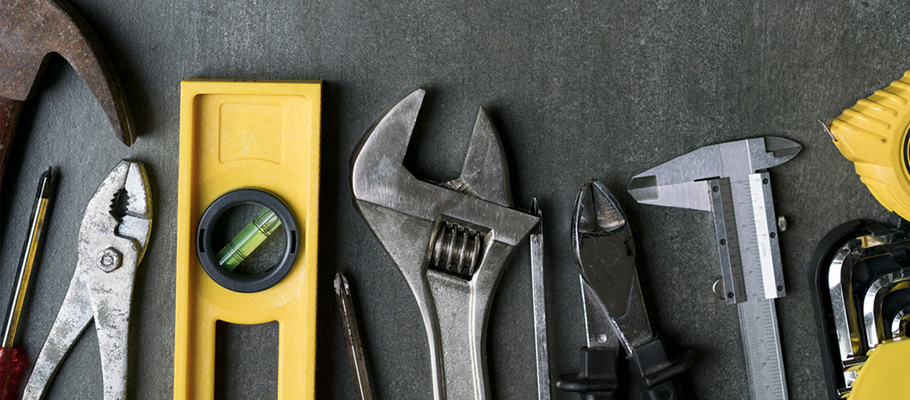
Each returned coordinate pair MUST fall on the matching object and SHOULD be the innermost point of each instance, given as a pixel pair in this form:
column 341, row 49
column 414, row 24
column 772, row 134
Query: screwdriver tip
column 535, row 211
column 341, row 284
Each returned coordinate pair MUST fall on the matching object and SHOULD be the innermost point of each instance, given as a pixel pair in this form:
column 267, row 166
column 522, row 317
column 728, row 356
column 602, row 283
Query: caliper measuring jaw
column 729, row 179
column 450, row 241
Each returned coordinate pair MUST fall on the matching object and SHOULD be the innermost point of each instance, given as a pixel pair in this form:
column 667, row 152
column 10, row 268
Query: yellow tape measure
column 247, row 141
column 873, row 135
column 884, row 375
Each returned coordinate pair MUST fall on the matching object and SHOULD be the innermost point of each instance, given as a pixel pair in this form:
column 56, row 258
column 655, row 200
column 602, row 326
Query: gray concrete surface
column 578, row 89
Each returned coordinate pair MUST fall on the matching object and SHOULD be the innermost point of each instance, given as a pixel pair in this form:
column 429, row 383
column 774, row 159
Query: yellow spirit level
column 247, row 141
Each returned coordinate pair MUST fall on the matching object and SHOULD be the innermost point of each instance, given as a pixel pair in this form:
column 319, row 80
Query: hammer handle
column 9, row 119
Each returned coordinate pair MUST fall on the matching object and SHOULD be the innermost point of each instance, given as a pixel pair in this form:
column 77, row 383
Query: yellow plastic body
column 884, row 375
column 252, row 134
column 873, row 134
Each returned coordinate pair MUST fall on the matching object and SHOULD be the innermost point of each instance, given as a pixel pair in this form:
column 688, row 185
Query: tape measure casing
column 873, row 135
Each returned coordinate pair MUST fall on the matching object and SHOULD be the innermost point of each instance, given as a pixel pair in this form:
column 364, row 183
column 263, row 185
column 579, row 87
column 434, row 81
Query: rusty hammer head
column 32, row 29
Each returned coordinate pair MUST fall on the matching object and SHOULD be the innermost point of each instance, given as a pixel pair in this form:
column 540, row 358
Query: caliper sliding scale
column 729, row 180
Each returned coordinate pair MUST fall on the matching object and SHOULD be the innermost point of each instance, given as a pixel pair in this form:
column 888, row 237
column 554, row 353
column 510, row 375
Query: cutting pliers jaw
column 598, row 215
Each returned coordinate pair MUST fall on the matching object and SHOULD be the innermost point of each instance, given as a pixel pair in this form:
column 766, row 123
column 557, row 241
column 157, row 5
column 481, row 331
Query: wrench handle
column 9, row 119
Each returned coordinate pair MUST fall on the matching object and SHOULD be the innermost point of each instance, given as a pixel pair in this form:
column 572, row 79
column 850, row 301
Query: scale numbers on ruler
column 758, row 317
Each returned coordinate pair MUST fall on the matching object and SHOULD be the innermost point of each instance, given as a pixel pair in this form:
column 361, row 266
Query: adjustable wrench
column 450, row 241
column 729, row 180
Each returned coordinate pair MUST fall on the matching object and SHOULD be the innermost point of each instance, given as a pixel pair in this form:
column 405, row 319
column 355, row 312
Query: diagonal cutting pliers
column 615, row 313
column 112, row 241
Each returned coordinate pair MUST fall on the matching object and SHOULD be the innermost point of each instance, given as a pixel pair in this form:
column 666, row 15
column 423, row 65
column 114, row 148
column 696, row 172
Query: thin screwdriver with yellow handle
column 12, row 359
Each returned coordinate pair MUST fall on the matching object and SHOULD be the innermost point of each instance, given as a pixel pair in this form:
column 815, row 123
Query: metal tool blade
column 605, row 252
column 75, row 315
column 352, row 338
column 599, row 330
column 539, row 301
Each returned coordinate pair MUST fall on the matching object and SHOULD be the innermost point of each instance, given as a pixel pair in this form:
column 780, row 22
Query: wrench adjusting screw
column 456, row 250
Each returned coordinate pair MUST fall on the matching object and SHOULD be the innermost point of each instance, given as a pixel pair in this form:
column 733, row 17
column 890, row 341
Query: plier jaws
column 112, row 242
column 605, row 253
column 614, row 306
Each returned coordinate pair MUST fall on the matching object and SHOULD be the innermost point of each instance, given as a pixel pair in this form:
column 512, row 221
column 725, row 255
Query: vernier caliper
column 729, row 180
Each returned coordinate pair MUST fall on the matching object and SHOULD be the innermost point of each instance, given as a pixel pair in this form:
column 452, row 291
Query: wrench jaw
column 485, row 173
column 377, row 161
column 451, row 242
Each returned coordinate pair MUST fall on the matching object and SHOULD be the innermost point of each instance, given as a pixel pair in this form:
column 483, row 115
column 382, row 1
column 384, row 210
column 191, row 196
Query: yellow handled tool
column 242, row 142
column 873, row 135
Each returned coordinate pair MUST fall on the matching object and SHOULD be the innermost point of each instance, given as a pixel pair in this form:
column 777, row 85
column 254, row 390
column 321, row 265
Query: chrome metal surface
column 772, row 271
column 718, row 288
column 686, row 182
column 872, row 305
column 841, row 294
column 605, row 253
column 538, row 293
column 731, row 264
column 111, row 221
column 352, row 338
column 405, row 214
column 456, row 249
column 840, row 290
column 899, row 324
column 599, row 330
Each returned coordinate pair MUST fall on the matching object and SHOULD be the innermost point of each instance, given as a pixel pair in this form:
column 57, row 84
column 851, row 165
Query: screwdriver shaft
column 540, row 319
column 28, row 257
column 13, row 360
column 352, row 338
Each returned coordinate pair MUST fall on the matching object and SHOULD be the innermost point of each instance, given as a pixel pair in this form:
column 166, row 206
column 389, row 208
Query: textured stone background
column 577, row 89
